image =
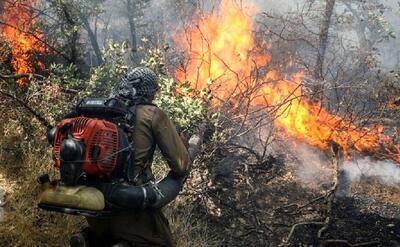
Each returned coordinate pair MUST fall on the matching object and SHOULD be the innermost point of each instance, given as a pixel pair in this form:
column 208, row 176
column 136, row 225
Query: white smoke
column 385, row 171
column 312, row 166
column 278, row 6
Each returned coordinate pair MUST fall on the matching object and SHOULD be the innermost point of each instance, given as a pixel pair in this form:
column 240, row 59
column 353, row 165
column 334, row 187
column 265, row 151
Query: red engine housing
column 101, row 139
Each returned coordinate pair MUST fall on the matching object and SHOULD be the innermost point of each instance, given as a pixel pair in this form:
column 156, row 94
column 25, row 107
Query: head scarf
column 140, row 81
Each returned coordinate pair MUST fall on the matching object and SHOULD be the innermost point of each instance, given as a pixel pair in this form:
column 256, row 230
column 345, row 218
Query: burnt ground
column 257, row 204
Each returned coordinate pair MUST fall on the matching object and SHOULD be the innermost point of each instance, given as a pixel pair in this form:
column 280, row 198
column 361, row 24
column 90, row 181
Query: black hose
column 169, row 187
column 139, row 197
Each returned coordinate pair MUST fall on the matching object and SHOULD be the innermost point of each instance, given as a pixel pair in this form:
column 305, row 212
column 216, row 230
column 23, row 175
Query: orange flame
column 18, row 21
column 312, row 123
column 221, row 56
column 219, row 52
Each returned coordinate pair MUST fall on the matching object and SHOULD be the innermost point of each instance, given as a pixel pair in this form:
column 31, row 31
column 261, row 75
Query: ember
column 221, row 51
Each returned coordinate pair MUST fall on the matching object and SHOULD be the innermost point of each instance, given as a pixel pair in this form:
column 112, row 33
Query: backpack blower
column 92, row 151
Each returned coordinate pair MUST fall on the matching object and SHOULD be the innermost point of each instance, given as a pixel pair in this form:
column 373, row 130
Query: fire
column 310, row 122
column 18, row 21
column 219, row 48
column 222, row 56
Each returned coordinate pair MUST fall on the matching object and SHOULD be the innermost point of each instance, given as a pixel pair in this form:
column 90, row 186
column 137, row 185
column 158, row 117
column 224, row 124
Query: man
column 152, row 127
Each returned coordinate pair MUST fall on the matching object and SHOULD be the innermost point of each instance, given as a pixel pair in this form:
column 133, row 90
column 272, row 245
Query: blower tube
column 150, row 195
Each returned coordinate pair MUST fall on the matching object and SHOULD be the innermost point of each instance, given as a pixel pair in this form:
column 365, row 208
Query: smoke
column 278, row 6
column 312, row 166
column 165, row 16
column 385, row 171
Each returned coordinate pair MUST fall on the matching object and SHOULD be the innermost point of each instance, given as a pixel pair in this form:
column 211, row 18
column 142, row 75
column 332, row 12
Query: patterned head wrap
column 140, row 81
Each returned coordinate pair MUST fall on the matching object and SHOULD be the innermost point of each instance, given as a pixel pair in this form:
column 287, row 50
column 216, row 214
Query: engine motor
column 93, row 143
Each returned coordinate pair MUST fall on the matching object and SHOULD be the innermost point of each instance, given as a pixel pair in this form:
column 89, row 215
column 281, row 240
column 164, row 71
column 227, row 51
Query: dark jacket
column 154, row 128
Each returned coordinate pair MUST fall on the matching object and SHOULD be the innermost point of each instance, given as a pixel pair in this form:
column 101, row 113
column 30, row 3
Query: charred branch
column 329, row 196
column 345, row 243
column 19, row 76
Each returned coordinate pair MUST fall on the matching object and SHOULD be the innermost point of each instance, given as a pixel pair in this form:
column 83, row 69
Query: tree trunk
column 73, row 47
column 323, row 39
column 73, row 43
column 132, row 26
column 93, row 41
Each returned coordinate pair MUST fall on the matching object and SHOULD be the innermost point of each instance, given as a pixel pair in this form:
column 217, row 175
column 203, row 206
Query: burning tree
column 223, row 58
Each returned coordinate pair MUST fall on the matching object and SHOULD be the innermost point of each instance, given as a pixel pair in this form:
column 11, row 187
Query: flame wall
column 222, row 55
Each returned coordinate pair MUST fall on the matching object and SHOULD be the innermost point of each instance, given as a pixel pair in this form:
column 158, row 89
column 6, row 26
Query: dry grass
column 22, row 161
column 23, row 157
column 189, row 230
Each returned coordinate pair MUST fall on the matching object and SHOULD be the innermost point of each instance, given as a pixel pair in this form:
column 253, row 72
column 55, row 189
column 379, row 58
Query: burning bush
column 19, row 30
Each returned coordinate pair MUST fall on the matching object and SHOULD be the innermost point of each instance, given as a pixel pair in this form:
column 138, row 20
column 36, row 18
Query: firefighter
column 152, row 128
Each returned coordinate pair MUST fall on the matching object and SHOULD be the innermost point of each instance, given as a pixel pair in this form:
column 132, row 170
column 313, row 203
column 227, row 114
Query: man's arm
column 170, row 143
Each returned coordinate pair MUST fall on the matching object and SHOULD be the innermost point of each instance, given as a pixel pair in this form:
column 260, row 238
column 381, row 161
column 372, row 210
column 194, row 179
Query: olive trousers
column 147, row 227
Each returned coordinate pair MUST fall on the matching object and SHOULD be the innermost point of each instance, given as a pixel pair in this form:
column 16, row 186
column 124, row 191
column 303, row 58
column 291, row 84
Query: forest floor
column 258, row 205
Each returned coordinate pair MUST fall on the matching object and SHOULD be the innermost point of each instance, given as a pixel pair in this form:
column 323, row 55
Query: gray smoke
column 314, row 168
column 385, row 171
column 278, row 6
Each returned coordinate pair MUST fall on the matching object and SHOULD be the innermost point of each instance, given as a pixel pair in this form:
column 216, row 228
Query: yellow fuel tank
column 81, row 197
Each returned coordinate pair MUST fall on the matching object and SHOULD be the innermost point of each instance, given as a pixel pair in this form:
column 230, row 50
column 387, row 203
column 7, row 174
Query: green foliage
column 55, row 95
column 184, row 110
column 185, row 106
column 104, row 78
column 154, row 59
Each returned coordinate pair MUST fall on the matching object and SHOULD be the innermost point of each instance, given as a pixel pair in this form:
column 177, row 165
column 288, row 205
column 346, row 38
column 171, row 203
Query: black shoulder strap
column 131, row 115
